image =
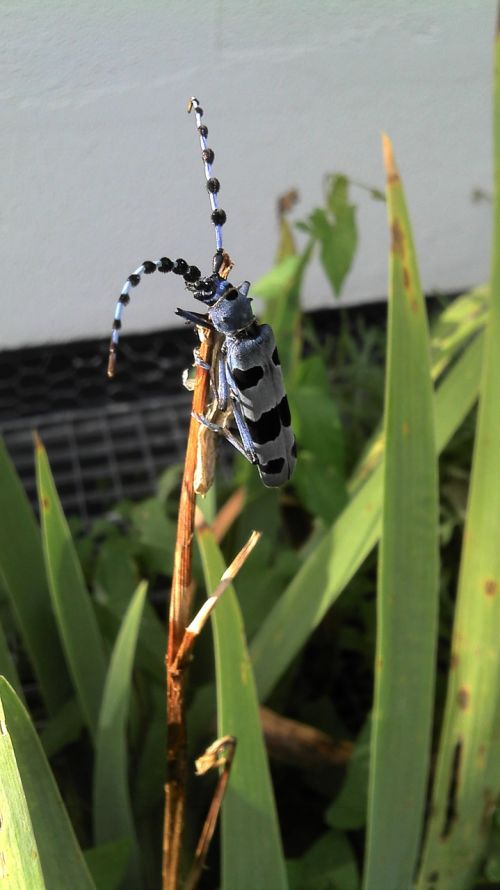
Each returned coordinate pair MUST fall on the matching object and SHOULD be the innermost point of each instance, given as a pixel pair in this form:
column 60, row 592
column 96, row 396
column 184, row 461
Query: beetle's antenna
column 213, row 185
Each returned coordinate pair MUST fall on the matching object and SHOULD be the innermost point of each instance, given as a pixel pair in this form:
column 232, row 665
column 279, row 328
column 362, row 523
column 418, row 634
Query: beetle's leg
column 197, row 318
column 227, row 434
column 222, row 384
column 244, row 432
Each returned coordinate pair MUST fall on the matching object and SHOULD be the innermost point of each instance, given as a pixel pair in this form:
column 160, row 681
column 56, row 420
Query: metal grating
column 106, row 440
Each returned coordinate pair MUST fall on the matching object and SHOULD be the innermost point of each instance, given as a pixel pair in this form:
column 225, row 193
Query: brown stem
column 196, row 626
column 221, row 753
column 180, row 608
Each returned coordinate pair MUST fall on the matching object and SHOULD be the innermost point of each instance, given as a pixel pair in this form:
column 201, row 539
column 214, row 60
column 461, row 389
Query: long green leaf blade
column 7, row 666
column 23, row 573
column 252, row 854
column 113, row 818
column 334, row 561
column 70, row 599
column 61, row 859
column 468, row 771
column 19, row 859
column 408, row 577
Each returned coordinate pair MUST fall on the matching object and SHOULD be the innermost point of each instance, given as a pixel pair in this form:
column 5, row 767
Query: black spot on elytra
column 284, row 412
column 294, row 449
column 275, row 357
column 273, row 467
column 266, row 428
column 247, row 379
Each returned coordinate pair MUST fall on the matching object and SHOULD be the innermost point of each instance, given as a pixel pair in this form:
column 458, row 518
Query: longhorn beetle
column 246, row 375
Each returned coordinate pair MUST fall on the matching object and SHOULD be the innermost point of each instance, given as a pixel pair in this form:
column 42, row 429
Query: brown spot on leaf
column 414, row 306
column 406, row 278
column 379, row 663
column 45, row 503
column 490, row 587
column 454, row 660
column 397, row 244
column 463, row 698
column 489, row 806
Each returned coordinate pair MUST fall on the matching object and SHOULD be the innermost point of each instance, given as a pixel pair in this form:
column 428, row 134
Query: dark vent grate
column 106, row 439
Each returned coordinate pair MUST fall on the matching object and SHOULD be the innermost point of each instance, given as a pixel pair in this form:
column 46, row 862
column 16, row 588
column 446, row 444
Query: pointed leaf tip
column 38, row 442
column 389, row 162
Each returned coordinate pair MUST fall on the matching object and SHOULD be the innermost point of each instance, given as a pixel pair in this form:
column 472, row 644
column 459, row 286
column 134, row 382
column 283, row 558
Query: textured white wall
column 101, row 165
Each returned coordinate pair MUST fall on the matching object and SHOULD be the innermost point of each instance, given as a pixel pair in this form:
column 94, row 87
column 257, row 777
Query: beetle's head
column 231, row 309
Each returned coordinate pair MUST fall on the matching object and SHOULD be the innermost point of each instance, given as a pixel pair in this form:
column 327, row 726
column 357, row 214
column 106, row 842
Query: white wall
column 101, row 165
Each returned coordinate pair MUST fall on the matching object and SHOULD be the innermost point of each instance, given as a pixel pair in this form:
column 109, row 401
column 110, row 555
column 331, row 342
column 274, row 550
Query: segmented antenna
column 178, row 267
column 213, row 185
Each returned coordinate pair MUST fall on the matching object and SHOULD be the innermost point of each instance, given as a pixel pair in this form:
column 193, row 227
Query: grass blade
column 334, row 561
column 61, row 859
column 467, row 780
column 19, row 859
column 112, row 809
column 408, row 574
column 70, row 599
column 7, row 666
column 23, row 573
column 252, row 855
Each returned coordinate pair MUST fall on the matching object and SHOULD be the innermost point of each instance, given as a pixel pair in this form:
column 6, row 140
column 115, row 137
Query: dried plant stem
column 221, row 753
column 180, row 608
column 196, row 626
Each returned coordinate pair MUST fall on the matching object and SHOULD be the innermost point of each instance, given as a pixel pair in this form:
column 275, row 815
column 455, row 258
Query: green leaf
column 463, row 318
column 116, row 579
column 252, row 854
column 331, row 564
column 286, row 244
column 23, row 573
column 61, row 859
column 321, row 487
column 108, row 863
column 112, row 809
column 467, row 781
column 336, row 231
column 154, row 533
column 19, row 859
column 329, row 864
column 318, row 425
column 115, row 575
column 70, row 599
column 348, row 810
column 149, row 772
column 408, row 574
column 281, row 289
column 7, row 666
column 62, row 729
